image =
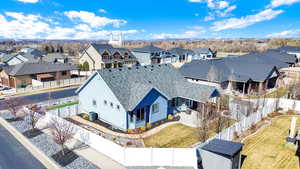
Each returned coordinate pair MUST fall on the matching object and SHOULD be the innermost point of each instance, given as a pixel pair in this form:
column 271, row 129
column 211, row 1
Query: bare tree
column 203, row 120
column 61, row 131
column 220, row 122
column 13, row 105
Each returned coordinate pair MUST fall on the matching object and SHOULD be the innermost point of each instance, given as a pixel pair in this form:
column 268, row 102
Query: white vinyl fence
column 179, row 157
column 266, row 106
column 52, row 84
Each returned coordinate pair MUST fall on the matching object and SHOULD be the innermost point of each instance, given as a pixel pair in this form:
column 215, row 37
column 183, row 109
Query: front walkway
column 132, row 136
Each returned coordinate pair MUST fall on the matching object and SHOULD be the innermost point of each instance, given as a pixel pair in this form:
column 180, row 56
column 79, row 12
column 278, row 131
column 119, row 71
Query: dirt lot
column 268, row 148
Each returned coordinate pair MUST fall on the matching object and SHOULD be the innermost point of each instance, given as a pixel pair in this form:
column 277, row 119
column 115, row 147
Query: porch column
column 266, row 84
column 249, row 88
column 260, row 87
column 244, row 86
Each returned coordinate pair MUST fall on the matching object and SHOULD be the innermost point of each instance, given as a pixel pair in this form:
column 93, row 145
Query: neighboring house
column 221, row 154
column 128, row 98
column 56, row 58
column 204, row 53
column 249, row 73
column 182, row 55
column 13, row 59
column 295, row 50
column 148, row 55
column 153, row 55
column 25, row 74
column 104, row 56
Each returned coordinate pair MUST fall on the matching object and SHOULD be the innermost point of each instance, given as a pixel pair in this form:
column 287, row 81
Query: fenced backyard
column 52, row 84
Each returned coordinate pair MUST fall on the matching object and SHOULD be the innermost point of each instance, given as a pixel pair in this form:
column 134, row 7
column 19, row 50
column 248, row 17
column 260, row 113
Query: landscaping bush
column 129, row 143
column 253, row 127
column 85, row 116
column 291, row 112
column 148, row 125
column 130, row 131
column 235, row 135
column 143, row 128
column 170, row 117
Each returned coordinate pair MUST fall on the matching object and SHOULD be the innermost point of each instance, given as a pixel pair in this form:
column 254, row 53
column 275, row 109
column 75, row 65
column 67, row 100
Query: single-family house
column 56, row 58
column 25, row 74
column 204, row 53
column 221, row 154
column 104, row 56
column 128, row 98
column 295, row 50
column 249, row 73
column 153, row 55
column 182, row 55
column 13, row 59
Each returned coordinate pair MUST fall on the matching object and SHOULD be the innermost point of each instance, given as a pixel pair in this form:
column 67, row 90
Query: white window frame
column 155, row 108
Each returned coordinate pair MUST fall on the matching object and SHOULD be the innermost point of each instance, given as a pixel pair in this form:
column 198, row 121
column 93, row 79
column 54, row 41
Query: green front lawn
column 62, row 105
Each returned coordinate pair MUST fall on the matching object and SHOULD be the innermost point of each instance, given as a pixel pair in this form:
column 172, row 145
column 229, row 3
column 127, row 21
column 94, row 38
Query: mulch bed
column 32, row 133
column 66, row 159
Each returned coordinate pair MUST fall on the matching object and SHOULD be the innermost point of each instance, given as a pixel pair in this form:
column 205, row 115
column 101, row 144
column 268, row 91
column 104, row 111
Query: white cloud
column 16, row 25
column 277, row 3
column 217, row 8
column 94, row 20
column 236, row 23
column 29, row 1
column 285, row 34
column 222, row 4
column 195, row 32
column 102, row 11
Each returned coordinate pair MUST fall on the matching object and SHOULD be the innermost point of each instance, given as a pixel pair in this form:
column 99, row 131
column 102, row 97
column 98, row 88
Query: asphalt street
column 13, row 155
column 36, row 98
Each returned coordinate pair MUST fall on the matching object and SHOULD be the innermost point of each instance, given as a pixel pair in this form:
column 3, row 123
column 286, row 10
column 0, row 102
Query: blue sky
column 149, row 19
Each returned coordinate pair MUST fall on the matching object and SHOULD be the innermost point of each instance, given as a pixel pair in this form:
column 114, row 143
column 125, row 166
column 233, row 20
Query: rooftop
column 223, row 147
column 131, row 85
column 35, row 68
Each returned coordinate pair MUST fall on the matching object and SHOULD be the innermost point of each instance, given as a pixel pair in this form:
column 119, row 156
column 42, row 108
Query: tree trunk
column 63, row 150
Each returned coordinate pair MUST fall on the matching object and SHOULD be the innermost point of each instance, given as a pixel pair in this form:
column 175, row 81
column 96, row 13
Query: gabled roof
column 295, row 49
column 131, row 85
column 148, row 49
column 254, row 66
column 106, row 47
column 181, row 51
column 223, row 147
column 36, row 68
column 202, row 50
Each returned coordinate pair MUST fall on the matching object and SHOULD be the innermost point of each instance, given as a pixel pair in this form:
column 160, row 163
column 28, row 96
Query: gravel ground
column 46, row 144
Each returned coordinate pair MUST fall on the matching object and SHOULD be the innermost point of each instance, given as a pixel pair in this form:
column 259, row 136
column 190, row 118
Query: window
column 105, row 102
column 155, row 108
column 140, row 114
column 111, row 104
column 64, row 73
column 118, row 107
column 94, row 103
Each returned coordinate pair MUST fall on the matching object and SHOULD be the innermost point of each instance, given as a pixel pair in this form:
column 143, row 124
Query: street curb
column 38, row 154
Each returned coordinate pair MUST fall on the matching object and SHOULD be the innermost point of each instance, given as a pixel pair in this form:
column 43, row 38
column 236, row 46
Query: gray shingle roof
column 131, row 85
column 106, row 47
column 290, row 49
column 223, row 147
column 181, row 51
column 202, row 50
column 35, row 68
column 255, row 66
column 148, row 49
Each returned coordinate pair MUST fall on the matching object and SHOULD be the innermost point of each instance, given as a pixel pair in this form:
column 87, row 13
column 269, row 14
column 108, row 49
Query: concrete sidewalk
column 95, row 157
